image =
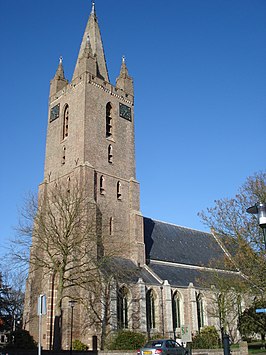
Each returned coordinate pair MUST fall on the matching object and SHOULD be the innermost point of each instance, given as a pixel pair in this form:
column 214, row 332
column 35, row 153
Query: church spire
column 92, row 31
column 124, row 81
column 59, row 81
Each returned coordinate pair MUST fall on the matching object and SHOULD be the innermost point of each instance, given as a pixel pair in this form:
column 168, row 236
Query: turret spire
column 60, row 70
column 59, row 81
column 93, row 32
column 124, row 81
column 123, row 70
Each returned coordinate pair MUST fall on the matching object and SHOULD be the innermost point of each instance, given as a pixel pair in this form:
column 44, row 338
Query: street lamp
column 72, row 304
column 260, row 210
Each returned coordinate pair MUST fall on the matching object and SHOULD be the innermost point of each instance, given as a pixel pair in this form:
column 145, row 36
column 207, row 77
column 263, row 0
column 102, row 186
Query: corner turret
column 59, row 81
column 124, row 81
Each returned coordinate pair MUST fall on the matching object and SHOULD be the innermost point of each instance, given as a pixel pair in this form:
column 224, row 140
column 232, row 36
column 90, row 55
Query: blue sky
column 199, row 69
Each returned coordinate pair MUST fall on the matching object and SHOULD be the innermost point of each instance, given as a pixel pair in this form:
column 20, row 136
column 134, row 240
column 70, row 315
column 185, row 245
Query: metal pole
column 71, row 327
column 40, row 335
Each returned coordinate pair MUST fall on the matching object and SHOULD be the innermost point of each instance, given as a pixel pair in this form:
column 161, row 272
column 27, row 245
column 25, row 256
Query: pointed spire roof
column 59, row 81
column 60, row 70
column 124, row 71
column 124, row 80
column 92, row 31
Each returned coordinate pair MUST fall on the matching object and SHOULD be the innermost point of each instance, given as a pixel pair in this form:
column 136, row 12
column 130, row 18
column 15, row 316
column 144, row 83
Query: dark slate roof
column 168, row 242
column 179, row 276
column 126, row 271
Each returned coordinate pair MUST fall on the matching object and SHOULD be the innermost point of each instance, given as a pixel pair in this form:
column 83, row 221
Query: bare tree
column 102, row 296
column 63, row 231
column 239, row 231
column 240, row 234
column 226, row 299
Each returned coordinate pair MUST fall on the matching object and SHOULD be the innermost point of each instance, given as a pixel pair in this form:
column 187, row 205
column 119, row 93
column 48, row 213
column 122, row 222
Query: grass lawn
column 256, row 348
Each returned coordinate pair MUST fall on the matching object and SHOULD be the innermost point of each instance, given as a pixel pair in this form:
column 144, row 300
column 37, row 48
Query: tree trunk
column 57, row 344
column 103, row 333
column 57, row 333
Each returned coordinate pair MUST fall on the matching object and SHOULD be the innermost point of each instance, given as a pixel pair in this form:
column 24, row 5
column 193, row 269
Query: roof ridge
column 194, row 267
column 177, row 225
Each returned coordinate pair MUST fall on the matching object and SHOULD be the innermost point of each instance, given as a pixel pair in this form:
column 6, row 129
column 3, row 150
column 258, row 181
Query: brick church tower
column 90, row 138
column 91, row 133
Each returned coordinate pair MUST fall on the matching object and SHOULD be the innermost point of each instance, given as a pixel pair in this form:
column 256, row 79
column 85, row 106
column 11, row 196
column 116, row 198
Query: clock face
column 54, row 113
column 125, row 111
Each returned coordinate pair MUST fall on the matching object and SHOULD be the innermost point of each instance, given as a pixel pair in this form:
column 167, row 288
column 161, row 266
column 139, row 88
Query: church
column 90, row 138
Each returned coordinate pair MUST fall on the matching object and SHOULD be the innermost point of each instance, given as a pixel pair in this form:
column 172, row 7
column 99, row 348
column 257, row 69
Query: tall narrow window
column 122, row 308
column 200, row 314
column 102, row 185
column 108, row 120
column 65, row 122
column 68, row 184
column 111, row 226
column 221, row 309
column 110, row 153
column 239, row 305
column 150, row 309
column 176, row 310
column 63, row 155
column 118, row 190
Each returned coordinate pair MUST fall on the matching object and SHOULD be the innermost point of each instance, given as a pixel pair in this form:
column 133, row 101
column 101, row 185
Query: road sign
column 261, row 310
column 185, row 334
column 41, row 305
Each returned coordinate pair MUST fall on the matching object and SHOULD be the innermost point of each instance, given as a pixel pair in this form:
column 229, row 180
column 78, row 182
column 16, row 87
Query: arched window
column 110, row 153
column 102, row 185
column 108, row 120
column 176, row 310
column 200, row 311
column 118, row 190
column 122, row 308
column 65, row 122
column 150, row 309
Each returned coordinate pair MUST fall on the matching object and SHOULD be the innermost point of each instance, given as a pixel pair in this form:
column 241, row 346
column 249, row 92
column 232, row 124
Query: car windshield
column 154, row 344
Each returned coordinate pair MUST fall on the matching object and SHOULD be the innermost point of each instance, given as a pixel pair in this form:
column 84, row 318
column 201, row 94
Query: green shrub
column 127, row 340
column 78, row 345
column 208, row 338
column 21, row 339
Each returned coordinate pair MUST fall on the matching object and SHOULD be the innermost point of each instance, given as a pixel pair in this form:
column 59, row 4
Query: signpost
column 261, row 310
column 41, row 311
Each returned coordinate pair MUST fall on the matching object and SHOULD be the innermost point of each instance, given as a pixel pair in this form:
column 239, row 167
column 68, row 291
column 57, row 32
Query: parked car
column 162, row 347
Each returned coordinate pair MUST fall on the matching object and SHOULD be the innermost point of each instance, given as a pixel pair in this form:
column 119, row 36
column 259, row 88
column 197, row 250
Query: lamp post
column 72, row 304
column 260, row 210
